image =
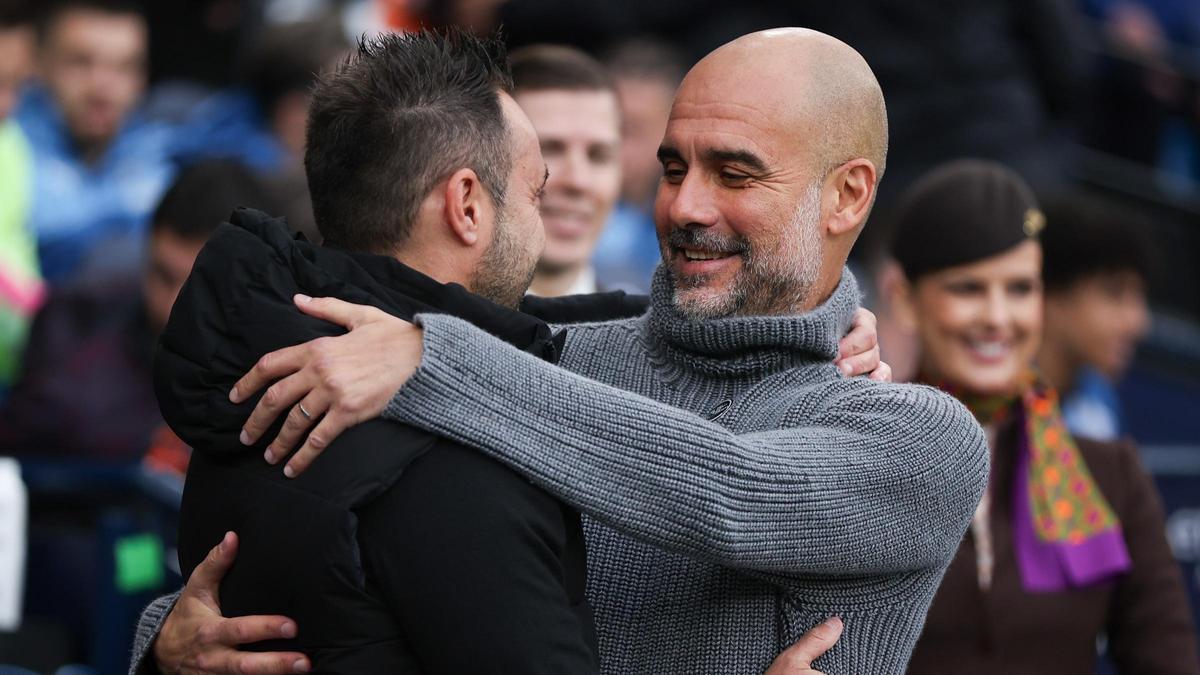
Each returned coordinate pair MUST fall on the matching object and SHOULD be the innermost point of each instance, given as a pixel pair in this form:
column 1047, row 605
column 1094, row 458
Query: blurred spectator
column 281, row 71
column 1095, row 272
column 261, row 122
column 17, row 40
column 1148, row 100
column 99, row 168
column 647, row 73
column 572, row 102
column 85, row 387
column 282, row 66
column 21, row 288
column 1068, row 542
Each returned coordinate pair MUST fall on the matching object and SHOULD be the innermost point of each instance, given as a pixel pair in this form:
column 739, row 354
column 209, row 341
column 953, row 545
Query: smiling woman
column 1068, row 542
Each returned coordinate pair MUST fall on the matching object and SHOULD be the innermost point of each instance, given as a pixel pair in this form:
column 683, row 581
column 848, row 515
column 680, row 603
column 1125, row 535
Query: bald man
column 737, row 488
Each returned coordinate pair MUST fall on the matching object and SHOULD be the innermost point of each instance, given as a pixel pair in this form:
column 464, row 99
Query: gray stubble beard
column 774, row 283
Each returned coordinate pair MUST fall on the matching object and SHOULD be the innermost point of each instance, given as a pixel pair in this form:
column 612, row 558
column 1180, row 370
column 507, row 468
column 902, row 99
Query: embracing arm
column 149, row 625
column 185, row 634
column 885, row 477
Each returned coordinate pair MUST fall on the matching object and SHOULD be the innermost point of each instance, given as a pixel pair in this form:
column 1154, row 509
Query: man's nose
column 692, row 203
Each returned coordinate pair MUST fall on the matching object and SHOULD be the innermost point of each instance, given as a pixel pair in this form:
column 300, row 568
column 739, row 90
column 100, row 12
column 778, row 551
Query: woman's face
column 979, row 325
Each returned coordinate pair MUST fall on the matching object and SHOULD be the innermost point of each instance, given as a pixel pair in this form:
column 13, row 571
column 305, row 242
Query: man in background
column 99, row 169
column 1096, row 269
column 572, row 102
column 646, row 73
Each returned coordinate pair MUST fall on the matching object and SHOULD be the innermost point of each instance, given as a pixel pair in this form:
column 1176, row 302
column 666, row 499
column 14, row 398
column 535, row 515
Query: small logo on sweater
column 721, row 408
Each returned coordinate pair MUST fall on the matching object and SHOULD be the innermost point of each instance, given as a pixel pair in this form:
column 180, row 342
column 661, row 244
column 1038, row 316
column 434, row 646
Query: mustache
column 706, row 240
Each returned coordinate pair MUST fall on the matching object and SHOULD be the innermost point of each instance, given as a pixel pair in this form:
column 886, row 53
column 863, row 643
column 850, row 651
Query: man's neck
column 827, row 282
column 555, row 283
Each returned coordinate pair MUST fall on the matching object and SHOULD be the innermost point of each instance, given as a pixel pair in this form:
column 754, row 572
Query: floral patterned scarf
column 1065, row 533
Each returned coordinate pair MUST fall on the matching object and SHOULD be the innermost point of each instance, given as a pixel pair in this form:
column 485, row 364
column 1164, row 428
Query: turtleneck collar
column 749, row 345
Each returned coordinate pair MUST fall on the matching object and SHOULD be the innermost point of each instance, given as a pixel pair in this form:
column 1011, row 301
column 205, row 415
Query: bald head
column 809, row 86
column 771, row 158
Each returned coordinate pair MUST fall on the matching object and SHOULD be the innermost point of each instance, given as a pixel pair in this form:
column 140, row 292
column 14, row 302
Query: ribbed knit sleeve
column 881, row 478
column 149, row 624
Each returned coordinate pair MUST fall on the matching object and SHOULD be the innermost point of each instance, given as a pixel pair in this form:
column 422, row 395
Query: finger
column 864, row 334
column 860, row 339
column 883, row 373
column 230, row 661
column 861, row 364
column 296, row 426
column 247, row 629
column 269, row 368
column 331, row 426
column 345, row 314
column 813, row 644
column 279, row 397
column 206, row 578
column 864, row 319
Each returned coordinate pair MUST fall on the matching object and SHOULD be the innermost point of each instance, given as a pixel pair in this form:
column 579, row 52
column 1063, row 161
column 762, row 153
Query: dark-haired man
column 740, row 489
column 1095, row 270
column 426, row 556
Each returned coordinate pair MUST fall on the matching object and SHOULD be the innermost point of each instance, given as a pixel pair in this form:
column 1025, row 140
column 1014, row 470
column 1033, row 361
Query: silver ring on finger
column 307, row 415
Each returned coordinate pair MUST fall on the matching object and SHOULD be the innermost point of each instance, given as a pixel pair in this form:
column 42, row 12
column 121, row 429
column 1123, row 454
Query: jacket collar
column 392, row 286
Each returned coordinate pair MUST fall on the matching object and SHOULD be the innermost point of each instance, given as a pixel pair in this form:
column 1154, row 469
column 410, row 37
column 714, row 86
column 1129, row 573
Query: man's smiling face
column 738, row 210
column 580, row 137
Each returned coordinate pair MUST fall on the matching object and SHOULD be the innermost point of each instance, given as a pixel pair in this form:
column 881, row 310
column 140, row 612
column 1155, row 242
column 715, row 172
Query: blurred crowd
column 129, row 132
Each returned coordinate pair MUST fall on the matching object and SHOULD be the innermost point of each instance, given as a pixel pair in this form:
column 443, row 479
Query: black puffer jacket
column 397, row 551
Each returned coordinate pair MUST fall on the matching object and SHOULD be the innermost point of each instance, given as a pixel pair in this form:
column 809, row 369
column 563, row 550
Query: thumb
column 333, row 310
column 206, row 578
column 813, row 644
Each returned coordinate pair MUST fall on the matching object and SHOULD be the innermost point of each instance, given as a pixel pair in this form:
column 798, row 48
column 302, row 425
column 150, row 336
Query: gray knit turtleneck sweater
column 738, row 489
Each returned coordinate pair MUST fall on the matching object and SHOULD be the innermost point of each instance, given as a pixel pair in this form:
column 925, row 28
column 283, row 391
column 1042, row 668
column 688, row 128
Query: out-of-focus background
column 128, row 131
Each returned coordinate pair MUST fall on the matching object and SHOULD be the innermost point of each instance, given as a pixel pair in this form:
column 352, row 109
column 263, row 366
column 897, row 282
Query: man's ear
column 468, row 208
column 854, row 188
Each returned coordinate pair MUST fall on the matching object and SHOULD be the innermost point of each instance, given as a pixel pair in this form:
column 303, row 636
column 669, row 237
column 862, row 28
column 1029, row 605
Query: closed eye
column 673, row 172
column 734, row 179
